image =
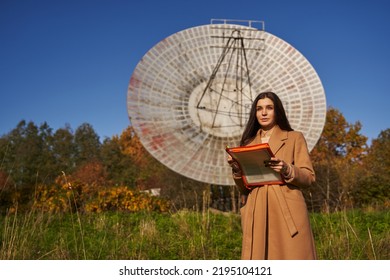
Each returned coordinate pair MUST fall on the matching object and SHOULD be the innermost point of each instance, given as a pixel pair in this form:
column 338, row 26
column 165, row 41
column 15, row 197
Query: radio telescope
column 190, row 95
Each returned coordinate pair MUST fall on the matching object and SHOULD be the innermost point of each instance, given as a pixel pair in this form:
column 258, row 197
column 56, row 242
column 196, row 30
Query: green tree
column 27, row 159
column 87, row 144
column 46, row 160
column 26, row 156
column 121, row 170
column 64, row 150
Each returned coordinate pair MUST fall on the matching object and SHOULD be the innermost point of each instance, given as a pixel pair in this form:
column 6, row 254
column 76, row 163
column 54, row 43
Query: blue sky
column 69, row 62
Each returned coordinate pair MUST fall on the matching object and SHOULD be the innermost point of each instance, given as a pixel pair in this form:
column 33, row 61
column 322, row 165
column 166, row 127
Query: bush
column 64, row 196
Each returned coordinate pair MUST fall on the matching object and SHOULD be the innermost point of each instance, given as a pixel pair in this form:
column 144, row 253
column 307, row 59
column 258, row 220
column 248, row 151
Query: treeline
column 349, row 173
column 35, row 160
column 37, row 163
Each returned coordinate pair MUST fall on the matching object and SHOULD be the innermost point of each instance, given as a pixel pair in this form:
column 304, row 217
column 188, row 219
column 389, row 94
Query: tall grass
column 352, row 235
column 186, row 235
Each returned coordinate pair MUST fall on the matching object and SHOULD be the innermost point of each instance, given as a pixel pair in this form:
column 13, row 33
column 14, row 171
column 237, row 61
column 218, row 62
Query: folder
column 251, row 160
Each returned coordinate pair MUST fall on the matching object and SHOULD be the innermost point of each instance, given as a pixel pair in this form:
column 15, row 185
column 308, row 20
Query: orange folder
column 251, row 161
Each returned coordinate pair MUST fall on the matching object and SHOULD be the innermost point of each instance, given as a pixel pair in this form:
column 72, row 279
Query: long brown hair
column 253, row 126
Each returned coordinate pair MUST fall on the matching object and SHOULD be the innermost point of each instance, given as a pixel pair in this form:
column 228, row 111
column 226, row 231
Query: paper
column 251, row 161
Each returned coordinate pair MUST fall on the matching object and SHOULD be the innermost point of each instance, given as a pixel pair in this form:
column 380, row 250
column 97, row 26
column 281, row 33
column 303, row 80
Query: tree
column 87, row 144
column 91, row 173
column 121, row 170
column 337, row 159
column 64, row 150
column 27, row 159
column 27, row 154
column 149, row 173
column 46, row 160
column 374, row 185
column 378, row 156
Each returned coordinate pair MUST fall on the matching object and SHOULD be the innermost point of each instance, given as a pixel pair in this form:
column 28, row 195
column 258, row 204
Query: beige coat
column 275, row 221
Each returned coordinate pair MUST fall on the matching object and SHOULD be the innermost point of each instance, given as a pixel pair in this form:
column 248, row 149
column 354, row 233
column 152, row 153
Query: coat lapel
column 277, row 139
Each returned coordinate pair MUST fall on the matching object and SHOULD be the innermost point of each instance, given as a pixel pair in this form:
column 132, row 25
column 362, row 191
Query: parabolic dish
column 189, row 96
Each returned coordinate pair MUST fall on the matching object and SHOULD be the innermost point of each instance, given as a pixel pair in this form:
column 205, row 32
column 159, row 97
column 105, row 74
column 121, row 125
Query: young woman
column 274, row 218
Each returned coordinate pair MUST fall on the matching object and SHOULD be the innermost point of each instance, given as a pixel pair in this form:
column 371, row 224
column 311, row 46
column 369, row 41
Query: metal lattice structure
column 190, row 95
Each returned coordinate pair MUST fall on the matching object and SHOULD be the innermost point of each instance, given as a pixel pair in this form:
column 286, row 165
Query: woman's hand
column 234, row 165
column 279, row 166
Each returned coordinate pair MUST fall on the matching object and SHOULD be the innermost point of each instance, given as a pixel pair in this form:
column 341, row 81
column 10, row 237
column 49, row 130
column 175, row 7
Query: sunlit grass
column 187, row 235
column 352, row 235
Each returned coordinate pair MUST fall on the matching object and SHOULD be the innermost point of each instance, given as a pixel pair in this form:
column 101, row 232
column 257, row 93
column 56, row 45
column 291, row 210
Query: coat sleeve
column 240, row 185
column 303, row 172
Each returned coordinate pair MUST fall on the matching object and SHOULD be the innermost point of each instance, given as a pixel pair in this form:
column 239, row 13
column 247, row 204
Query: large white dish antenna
column 190, row 95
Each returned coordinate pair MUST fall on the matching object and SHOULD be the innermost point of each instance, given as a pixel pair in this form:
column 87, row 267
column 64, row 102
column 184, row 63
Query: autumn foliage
column 348, row 172
column 65, row 170
column 65, row 196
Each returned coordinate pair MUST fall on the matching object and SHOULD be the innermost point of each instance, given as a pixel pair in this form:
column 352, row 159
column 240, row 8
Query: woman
column 275, row 221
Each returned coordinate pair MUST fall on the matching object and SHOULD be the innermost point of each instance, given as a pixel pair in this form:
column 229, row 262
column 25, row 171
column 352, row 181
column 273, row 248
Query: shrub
column 64, row 196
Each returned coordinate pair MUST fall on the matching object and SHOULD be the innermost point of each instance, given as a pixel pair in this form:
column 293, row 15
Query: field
column 186, row 235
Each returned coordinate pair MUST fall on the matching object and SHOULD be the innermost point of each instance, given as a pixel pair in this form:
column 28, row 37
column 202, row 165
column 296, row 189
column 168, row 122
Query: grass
column 352, row 235
column 186, row 235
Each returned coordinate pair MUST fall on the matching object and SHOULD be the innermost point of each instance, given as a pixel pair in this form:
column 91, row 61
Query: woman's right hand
column 234, row 165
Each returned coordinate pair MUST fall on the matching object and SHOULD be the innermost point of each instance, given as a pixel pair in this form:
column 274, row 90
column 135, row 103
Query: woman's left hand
column 278, row 165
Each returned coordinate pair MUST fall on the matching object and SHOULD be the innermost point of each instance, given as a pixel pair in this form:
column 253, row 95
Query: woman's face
column 265, row 113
